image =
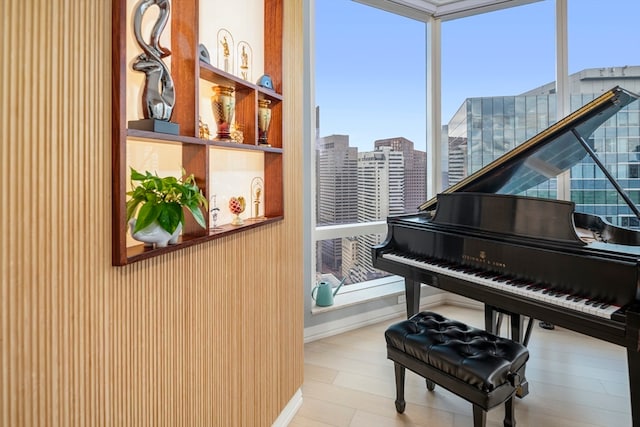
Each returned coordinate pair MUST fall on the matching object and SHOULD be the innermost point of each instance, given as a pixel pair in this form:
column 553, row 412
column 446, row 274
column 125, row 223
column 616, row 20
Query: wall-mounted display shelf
column 199, row 156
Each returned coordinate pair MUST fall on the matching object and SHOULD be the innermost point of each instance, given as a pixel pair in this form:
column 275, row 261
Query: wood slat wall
column 206, row 336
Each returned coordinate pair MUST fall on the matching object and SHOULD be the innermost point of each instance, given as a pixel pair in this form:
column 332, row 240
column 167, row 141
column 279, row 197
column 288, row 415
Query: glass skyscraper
column 485, row 128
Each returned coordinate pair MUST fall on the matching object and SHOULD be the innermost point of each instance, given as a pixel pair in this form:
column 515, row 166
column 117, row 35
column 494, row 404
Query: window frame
column 434, row 144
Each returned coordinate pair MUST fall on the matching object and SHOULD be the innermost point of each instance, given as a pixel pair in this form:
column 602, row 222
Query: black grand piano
column 530, row 257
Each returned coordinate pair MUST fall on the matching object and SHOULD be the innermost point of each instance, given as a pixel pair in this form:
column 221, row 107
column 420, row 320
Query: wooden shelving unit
column 188, row 73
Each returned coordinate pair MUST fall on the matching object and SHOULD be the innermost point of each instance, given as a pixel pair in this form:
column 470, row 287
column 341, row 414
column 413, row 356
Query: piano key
column 537, row 291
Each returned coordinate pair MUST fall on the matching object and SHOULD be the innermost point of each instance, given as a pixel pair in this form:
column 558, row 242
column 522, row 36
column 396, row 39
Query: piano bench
column 478, row 366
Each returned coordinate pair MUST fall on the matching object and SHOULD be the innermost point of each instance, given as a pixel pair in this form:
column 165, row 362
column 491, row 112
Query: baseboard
column 460, row 301
column 289, row 411
column 350, row 323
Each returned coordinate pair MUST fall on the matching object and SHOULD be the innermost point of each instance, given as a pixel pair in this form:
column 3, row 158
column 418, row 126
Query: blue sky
column 370, row 64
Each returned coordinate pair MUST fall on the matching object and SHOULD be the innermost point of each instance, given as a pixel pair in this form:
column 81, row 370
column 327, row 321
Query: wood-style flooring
column 574, row 381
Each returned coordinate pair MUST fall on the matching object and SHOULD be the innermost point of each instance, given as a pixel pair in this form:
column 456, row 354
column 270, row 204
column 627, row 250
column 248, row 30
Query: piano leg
column 517, row 334
column 412, row 293
column 491, row 323
column 633, row 363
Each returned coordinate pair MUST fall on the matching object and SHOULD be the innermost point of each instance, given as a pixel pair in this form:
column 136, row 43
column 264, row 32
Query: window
column 498, row 89
column 497, row 69
column 599, row 60
column 371, row 138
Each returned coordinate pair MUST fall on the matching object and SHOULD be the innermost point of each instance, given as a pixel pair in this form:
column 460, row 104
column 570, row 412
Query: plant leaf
column 137, row 176
column 198, row 216
column 170, row 216
column 146, row 215
column 132, row 204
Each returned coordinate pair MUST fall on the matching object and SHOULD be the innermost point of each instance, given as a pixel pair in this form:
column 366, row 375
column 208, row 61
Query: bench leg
column 479, row 416
column 509, row 413
column 400, row 403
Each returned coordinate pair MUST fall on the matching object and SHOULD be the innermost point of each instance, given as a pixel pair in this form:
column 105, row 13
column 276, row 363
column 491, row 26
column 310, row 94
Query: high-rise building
column 353, row 187
column 485, row 128
column 415, row 163
column 381, row 183
column 337, row 186
column 349, row 257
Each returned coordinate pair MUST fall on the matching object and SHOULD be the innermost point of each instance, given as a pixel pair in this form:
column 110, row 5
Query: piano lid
column 549, row 153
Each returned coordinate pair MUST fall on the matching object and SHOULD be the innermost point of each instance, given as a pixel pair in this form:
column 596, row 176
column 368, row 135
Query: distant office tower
column 381, row 182
column 415, row 177
column 485, row 128
column 349, row 257
column 336, row 192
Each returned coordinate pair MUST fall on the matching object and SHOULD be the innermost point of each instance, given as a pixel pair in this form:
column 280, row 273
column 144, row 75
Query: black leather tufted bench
column 480, row 367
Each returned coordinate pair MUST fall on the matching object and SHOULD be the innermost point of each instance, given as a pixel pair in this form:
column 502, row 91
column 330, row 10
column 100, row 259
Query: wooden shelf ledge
column 140, row 252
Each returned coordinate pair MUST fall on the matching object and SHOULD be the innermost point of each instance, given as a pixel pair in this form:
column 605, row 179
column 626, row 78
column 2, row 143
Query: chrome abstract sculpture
column 158, row 96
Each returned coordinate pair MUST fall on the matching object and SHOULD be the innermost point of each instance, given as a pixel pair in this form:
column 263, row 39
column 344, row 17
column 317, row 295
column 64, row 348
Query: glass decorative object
column 264, row 120
column 225, row 50
column 223, row 104
column 257, row 187
column 245, row 59
column 236, row 206
column 215, row 210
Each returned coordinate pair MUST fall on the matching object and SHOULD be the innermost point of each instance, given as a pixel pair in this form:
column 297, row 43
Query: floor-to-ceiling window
column 370, row 155
column 490, row 63
column 602, row 55
column 498, row 73
column 513, row 94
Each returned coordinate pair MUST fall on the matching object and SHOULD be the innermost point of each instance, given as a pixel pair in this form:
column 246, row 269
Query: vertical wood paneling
column 210, row 335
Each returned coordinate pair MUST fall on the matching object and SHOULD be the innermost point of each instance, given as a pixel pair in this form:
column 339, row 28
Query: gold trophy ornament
column 236, row 206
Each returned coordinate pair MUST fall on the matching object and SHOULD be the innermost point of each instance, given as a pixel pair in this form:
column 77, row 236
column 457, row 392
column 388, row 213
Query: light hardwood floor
column 574, row 381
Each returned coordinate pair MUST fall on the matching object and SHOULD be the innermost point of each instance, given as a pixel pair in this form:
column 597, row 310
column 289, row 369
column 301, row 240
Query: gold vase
column 223, row 103
column 264, row 119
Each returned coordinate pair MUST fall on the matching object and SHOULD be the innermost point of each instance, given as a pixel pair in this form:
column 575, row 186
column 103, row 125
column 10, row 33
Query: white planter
column 154, row 235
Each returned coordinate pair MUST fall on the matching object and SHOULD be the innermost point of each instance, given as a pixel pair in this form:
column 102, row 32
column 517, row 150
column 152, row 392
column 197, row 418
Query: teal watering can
column 323, row 294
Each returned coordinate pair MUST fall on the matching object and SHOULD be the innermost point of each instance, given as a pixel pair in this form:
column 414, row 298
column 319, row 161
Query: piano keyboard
column 535, row 291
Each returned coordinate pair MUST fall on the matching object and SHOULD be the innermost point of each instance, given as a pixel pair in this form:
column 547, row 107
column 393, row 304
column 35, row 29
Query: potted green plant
column 159, row 204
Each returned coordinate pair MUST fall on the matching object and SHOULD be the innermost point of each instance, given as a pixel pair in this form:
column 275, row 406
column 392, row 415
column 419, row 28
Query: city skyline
column 363, row 186
column 370, row 84
column 388, row 175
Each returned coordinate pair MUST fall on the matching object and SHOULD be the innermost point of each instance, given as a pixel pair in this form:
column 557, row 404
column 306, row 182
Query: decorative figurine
column 236, row 133
column 264, row 119
column 203, row 54
column 265, row 81
column 158, row 95
column 245, row 59
column 225, row 52
column 257, row 185
column 236, row 206
column 203, row 130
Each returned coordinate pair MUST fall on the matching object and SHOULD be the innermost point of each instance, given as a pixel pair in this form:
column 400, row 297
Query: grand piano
column 487, row 239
